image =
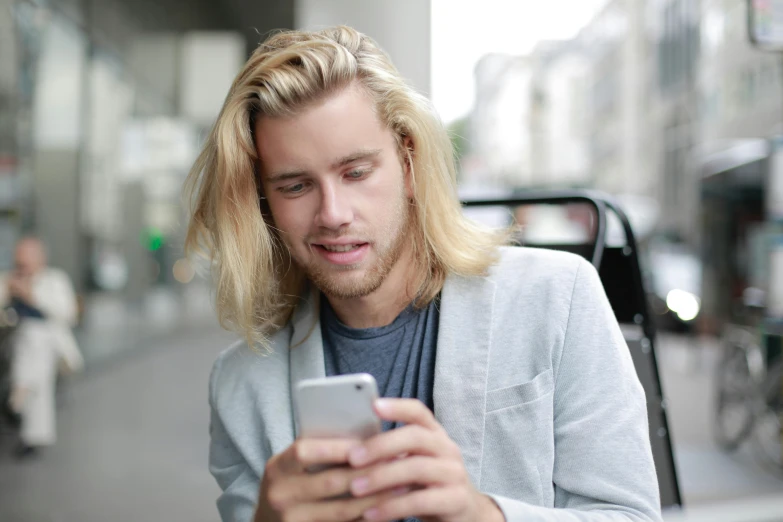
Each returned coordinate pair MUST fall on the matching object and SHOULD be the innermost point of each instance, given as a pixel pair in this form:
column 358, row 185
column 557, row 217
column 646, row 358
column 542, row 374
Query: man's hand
column 422, row 457
column 21, row 287
column 290, row 493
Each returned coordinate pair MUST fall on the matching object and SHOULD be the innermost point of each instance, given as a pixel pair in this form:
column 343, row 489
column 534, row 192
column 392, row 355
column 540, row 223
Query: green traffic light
column 151, row 239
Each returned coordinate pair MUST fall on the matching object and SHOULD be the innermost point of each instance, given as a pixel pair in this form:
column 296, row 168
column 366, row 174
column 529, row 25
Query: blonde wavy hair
column 257, row 284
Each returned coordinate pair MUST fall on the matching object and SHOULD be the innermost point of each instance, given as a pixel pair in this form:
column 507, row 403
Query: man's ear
column 407, row 165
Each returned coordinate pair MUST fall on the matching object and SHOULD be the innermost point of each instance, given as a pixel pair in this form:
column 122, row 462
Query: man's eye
column 293, row 189
column 358, row 173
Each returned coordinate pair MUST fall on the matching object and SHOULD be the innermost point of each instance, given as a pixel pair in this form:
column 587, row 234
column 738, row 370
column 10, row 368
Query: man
column 43, row 300
column 325, row 197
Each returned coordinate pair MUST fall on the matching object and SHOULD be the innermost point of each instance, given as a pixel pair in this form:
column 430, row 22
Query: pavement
column 132, row 442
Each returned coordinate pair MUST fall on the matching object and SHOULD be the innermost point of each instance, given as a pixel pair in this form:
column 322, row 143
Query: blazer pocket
column 540, row 386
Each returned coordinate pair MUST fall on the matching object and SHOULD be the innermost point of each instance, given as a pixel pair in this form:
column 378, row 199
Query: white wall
column 401, row 27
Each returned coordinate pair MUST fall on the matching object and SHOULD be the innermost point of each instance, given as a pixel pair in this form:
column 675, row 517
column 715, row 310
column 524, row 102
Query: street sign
column 765, row 24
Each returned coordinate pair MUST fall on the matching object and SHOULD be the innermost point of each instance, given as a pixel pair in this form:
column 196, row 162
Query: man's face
column 337, row 192
column 29, row 258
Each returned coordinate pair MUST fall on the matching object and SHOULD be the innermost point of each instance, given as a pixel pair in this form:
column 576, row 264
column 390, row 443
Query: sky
column 495, row 26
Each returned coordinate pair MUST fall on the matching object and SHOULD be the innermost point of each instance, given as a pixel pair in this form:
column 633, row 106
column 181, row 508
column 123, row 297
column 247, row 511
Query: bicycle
column 749, row 395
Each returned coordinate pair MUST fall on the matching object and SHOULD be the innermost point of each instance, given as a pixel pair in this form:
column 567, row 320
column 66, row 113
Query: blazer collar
column 461, row 364
column 306, row 352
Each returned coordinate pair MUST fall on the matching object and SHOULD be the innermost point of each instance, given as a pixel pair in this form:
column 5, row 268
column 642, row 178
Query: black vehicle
column 673, row 281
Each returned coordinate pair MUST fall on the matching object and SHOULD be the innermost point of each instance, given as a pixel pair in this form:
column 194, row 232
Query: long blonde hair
column 257, row 283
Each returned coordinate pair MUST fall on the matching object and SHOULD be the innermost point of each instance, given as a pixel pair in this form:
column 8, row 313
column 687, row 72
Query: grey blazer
column 533, row 381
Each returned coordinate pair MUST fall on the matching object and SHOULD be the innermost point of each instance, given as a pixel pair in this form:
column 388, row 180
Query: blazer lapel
column 461, row 361
column 306, row 352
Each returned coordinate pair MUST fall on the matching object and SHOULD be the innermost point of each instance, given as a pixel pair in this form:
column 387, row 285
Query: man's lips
column 341, row 247
column 341, row 253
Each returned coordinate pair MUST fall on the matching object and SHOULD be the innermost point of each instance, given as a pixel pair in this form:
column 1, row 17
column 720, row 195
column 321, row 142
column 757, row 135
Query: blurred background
column 672, row 107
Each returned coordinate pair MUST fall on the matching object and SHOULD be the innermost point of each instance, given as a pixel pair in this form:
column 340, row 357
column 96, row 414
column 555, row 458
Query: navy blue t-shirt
column 401, row 355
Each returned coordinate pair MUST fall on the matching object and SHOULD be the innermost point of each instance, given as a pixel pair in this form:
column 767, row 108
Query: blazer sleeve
column 57, row 299
column 603, row 467
column 238, row 482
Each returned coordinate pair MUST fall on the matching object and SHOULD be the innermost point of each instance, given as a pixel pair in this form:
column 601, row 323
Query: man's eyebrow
column 285, row 175
column 356, row 156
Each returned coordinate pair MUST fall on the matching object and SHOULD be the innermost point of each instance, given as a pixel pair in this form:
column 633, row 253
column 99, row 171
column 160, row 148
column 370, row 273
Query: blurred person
column 326, row 199
column 44, row 300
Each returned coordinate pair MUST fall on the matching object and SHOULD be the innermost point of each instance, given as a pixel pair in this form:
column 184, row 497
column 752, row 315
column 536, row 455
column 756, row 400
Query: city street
column 133, row 439
column 646, row 136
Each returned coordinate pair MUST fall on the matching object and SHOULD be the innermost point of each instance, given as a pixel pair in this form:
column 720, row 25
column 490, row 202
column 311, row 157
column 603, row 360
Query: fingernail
column 382, row 405
column 360, row 485
column 371, row 514
column 357, row 456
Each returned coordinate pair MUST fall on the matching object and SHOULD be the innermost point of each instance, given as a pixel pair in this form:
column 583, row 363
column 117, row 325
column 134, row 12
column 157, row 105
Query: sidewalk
column 132, row 441
column 113, row 328
column 706, row 474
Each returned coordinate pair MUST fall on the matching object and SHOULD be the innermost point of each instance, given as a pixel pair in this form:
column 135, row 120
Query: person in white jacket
column 45, row 303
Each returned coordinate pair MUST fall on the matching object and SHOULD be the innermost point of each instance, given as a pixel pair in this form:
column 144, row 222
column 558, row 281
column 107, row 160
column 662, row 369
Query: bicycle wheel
column 734, row 398
column 768, row 428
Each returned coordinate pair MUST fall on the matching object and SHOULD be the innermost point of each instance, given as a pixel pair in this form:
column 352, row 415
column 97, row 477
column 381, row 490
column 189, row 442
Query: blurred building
column 571, row 113
column 104, row 103
column 740, row 91
column 740, row 86
column 528, row 125
column 674, row 31
column 109, row 98
column 559, row 124
column 500, row 124
column 618, row 85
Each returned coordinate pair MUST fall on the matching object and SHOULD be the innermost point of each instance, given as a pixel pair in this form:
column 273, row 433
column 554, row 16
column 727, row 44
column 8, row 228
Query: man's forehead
column 326, row 130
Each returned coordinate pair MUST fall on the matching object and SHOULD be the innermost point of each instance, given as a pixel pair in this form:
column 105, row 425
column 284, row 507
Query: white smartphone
column 337, row 407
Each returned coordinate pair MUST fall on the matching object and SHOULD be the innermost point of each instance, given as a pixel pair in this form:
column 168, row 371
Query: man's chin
column 346, row 286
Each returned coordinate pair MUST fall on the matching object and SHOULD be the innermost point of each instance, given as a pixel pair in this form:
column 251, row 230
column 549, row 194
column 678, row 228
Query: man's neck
column 381, row 307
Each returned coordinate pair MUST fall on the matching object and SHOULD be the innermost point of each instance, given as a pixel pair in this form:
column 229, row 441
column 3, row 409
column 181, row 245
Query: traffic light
column 152, row 239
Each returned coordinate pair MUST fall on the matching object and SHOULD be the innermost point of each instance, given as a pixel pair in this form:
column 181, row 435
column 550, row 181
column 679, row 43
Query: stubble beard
column 333, row 284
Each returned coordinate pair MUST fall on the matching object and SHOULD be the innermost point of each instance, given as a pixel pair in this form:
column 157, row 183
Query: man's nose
column 336, row 210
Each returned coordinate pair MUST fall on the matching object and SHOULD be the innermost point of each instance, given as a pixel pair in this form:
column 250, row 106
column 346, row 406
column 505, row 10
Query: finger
column 407, row 411
column 408, row 440
column 339, row 510
column 311, row 487
column 440, row 502
column 307, row 453
column 411, row 471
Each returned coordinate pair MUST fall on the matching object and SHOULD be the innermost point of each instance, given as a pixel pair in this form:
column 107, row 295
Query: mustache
column 332, row 235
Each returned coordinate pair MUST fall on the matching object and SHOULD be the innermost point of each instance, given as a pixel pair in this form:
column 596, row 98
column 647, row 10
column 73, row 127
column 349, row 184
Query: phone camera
column 358, row 387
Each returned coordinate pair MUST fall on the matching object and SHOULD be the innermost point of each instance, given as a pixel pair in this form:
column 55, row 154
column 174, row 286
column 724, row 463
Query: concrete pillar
column 58, row 113
column 137, row 258
column 402, row 28
column 56, row 189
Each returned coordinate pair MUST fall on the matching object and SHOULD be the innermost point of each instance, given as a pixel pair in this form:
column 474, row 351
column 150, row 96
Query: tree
column 458, row 132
